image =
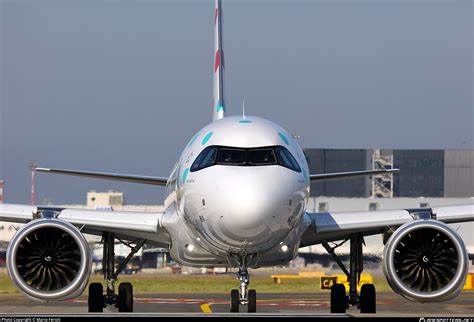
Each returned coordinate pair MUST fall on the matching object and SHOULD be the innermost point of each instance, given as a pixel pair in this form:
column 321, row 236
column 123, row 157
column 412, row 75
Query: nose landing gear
column 242, row 296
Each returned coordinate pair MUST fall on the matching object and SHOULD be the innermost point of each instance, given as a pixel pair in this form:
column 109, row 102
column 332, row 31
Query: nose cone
column 251, row 206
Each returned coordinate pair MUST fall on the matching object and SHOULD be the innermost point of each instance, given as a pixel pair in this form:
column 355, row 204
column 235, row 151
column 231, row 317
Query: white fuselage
column 235, row 208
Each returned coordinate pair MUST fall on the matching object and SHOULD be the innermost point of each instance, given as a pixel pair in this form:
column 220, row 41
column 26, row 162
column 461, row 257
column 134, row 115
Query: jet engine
column 49, row 259
column 425, row 261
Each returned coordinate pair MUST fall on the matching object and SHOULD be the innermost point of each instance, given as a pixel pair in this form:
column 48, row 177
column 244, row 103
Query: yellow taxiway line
column 206, row 308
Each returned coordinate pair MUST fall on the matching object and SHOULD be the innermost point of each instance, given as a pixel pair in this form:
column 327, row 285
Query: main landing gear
column 366, row 301
column 97, row 300
column 242, row 296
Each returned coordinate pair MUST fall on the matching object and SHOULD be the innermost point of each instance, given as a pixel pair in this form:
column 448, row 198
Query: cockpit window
column 273, row 155
column 205, row 159
column 261, row 157
column 286, row 159
column 231, row 156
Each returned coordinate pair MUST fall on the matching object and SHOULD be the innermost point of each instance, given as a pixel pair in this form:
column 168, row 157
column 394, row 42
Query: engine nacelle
column 49, row 260
column 426, row 261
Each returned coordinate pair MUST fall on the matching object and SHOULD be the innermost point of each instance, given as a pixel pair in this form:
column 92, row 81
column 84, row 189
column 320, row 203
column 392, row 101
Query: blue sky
column 121, row 86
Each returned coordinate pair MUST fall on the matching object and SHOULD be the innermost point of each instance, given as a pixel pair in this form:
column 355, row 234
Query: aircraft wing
column 332, row 226
column 157, row 181
column 128, row 225
column 350, row 174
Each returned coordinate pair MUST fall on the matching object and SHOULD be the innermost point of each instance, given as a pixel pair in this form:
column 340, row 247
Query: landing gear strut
column 339, row 301
column 124, row 300
column 242, row 296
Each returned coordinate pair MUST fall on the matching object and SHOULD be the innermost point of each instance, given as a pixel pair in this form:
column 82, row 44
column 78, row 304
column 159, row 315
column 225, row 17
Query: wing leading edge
column 129, row 225
column 157, row 181
column 351, row 174
column 339, row 225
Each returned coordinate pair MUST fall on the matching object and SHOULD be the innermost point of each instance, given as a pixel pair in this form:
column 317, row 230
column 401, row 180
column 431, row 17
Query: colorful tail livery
column 218, row 105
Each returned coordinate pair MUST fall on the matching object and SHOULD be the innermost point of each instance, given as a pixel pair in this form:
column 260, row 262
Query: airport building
column 107, row 199
column 423, row 173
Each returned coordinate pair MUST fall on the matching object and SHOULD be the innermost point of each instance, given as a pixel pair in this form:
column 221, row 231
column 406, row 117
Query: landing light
column 190, row 247
column 284, row 248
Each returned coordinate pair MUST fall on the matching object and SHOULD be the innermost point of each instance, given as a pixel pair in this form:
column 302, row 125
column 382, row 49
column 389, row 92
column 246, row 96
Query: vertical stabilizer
column 218, row 105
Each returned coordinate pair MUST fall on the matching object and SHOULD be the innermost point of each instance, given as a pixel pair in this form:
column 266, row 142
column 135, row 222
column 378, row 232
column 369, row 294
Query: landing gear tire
column 367, row 298
column 338, row 298
column 252, row 305
column 234, row 301
column 125, row 297
column 95, row 300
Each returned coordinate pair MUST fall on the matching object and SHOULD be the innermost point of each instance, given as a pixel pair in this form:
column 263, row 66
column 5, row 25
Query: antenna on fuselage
column 243, row 110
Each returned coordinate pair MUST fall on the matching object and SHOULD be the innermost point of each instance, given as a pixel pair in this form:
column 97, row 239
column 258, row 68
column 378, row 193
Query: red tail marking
column 216, row 64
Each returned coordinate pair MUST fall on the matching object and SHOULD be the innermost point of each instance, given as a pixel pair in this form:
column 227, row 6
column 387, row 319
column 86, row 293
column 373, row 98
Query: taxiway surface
column 388, row 304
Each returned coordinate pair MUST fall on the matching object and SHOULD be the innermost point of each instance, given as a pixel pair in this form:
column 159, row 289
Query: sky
column 121, row 86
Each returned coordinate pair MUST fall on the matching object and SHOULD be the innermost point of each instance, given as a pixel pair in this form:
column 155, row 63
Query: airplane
column 237, row 197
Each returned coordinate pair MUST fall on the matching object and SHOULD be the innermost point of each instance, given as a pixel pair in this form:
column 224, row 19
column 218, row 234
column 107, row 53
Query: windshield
column 205, row 159
column 261, row 157
column 230, row 156
column 287, row 160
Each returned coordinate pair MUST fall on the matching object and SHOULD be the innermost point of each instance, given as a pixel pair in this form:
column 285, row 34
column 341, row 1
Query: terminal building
column 423, row 173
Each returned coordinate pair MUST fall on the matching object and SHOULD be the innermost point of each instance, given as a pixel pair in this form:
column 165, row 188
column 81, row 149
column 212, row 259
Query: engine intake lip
column 447, row 292
column 75, row 287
